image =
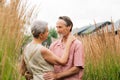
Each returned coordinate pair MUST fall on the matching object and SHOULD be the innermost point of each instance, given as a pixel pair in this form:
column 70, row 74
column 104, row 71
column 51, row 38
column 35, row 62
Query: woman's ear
column 40, row 35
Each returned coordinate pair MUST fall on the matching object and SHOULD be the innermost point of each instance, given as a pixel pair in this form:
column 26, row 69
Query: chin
column 61, row 35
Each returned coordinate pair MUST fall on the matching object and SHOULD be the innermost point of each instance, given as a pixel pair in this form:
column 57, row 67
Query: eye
column 59, row 26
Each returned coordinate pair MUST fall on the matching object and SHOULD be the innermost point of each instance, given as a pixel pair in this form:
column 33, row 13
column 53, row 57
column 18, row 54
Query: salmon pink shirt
column 76, row 58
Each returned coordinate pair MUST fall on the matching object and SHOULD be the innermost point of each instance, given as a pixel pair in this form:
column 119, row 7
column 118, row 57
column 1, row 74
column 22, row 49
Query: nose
column 58, row 30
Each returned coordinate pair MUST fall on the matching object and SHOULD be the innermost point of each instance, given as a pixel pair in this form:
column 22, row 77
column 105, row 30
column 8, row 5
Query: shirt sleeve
column 79, row 55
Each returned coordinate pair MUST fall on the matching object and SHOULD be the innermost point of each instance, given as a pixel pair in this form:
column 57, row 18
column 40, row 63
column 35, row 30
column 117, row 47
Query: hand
column 70, row 39
column 49, row 76
column 28, row 75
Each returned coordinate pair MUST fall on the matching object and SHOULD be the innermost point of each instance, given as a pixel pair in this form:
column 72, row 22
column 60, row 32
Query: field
column 102, row 50
column 12, row 20
column 102, row 55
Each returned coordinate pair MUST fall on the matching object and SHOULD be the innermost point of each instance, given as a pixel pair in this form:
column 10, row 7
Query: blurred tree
column 53, row 33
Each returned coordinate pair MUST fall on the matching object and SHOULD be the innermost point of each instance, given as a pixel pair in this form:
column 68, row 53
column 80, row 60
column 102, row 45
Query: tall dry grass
column 13, row 16
column 102, row 55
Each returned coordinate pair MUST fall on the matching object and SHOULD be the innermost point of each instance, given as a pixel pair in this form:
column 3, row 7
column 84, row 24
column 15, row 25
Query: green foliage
column 53, row 33
column 107, row 68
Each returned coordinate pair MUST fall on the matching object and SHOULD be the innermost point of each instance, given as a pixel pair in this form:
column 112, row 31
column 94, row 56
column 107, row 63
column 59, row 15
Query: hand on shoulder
column 70, row 38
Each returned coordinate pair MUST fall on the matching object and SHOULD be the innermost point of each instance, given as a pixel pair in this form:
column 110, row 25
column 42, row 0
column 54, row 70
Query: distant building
column 106, row 26
column 93, row 28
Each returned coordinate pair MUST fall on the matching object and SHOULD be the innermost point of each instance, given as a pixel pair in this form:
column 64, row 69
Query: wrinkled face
column 62, row 27
column 44, row 35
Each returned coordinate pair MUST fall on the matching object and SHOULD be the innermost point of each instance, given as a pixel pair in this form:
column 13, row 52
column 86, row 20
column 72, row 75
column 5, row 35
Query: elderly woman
column 39, row 59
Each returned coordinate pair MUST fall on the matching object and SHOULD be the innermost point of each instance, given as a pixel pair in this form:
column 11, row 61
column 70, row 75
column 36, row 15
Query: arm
column 57, row 76
column 52, row 58
column 71, row 71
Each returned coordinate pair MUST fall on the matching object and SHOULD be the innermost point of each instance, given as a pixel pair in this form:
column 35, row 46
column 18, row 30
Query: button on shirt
column 76, row 58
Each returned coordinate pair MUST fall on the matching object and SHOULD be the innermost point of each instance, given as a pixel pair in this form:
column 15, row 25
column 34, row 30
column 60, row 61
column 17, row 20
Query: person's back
column 35, row 63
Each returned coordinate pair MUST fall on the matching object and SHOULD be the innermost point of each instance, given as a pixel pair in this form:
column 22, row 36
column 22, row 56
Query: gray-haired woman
column 39, row 59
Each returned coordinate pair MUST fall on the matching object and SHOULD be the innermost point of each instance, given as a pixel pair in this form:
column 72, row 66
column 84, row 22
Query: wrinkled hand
column 70, row 39
column 49, row 76
column 28, row 75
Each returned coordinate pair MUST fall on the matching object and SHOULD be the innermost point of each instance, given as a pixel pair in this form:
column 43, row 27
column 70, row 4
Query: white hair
column 38, row 27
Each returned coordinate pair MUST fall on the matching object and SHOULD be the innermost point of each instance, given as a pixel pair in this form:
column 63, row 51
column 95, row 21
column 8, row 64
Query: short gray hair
column 38, row 27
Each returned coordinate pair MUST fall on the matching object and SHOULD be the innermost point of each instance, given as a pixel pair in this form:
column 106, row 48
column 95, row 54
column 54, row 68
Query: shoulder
column 43, row 50
column 77, row 42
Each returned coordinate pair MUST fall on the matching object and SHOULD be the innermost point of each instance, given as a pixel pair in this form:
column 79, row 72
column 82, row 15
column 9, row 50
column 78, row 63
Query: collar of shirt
column 60, row 44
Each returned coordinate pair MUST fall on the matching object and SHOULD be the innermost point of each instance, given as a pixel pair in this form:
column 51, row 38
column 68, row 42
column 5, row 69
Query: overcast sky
column 82, row 12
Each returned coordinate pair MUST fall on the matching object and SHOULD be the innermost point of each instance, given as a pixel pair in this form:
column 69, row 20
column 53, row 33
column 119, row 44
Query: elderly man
column 73, row 70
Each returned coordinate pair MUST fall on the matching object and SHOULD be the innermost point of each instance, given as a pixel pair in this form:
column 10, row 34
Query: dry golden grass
column 102, row 55
column 13, row 16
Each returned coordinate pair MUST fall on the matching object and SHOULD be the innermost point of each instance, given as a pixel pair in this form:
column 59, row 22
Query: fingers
column 49, row 76
column 46, row 76
column 71, row 38
column 28, row 75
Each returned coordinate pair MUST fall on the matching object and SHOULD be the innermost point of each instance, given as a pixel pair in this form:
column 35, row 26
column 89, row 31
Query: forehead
column 47, row 28
column 60, row 21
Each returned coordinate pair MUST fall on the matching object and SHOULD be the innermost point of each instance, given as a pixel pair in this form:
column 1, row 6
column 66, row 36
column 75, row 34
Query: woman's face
column 44, row 35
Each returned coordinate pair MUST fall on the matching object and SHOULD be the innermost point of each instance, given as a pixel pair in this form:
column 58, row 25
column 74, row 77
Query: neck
column 37, row 41
column 64, row 38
